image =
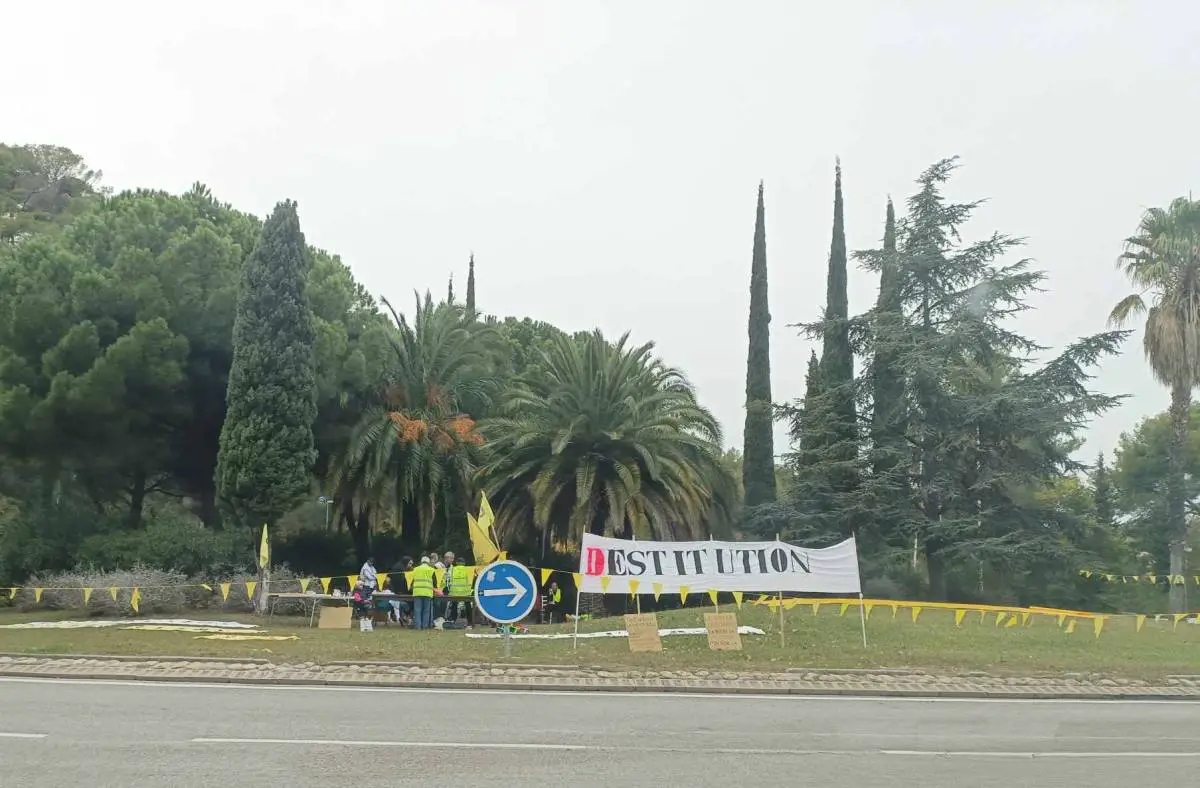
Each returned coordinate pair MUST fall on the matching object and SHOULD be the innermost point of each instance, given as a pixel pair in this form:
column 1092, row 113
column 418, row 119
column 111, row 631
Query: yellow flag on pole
column 712, row 595
column 633, row 586
column 264, row 550
column 482, row 546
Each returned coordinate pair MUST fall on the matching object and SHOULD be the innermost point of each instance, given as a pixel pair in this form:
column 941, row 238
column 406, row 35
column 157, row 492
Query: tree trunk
column 137, row 498
column 937, row 573
column 1181, row 405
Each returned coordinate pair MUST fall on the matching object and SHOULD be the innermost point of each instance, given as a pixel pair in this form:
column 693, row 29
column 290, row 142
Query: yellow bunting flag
column 1071, row 627
column 1000, row 617
column 304, row 581
column 250, row 586
column 1152, row 578
column 381, row 580
column 1062, row 618
column 12, row 593
column 842, row 610
column 916, row 613
column 546, row 575
column 37, row 594
column 1098, row 624
column 206, row 587
column 1025, row 617
column 958, row 617
column 869, row 606
column 112, row 592
column 816, row 606
column 578, row 578
column 325, row 581
column 1139, row 622
column 895, row 610
column 712, row 595
column 604, row 581
column 408, row 576
column 225, row 591
column 1012, row 622
column 87, row 596
column 634, row 585
column 135, row 599
column 354, row 579
column 1177, row 618
column 657, row 590
column 683, row 592
column 737, row 599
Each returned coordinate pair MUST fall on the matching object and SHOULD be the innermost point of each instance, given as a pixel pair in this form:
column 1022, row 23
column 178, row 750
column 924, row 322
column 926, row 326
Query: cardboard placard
column 334, row 617
column 643, row 632
column 722, row 632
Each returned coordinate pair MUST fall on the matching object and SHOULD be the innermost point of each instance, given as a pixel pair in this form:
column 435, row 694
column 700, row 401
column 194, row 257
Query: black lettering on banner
column 637, row 562
column 762, row 560
column 679, row 562
column 800, row 561
column 696, row 558
column 779, row 560
column 745, row 554
column 657, row 556
column 720, row 562
column 616, row 562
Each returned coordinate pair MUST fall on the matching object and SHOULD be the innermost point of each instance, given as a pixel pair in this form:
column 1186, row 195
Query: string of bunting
column 1109, row 577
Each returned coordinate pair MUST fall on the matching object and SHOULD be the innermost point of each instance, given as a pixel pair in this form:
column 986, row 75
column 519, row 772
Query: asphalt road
column 130, row 735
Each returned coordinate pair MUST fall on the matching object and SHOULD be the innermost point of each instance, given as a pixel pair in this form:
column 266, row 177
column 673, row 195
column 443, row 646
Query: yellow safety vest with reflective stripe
column 556, row 597
column 460, row 580
column 422, row 580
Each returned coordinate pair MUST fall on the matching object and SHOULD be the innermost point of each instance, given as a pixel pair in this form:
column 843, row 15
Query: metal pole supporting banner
column 862, row 617
column 782, row 641
column 575, row 640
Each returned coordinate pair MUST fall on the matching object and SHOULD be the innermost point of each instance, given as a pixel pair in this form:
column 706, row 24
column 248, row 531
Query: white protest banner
column 608, row 565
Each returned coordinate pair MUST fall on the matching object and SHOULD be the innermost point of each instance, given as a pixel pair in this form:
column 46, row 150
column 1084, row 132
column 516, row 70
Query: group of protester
column 446, row 602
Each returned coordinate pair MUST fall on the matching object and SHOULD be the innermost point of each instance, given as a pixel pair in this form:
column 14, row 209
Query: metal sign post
column 506, row 593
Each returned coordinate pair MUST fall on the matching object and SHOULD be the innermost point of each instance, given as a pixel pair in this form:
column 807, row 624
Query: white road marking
column 520, row 691
column 444, row 745
column 22, row 735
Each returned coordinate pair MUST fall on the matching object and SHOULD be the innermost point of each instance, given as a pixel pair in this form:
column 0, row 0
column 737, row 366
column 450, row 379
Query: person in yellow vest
column 423, row 580
column 553, row 600
column 458, row 587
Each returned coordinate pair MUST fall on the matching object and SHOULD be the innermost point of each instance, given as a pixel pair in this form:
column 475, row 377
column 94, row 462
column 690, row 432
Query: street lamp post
column 328, row 502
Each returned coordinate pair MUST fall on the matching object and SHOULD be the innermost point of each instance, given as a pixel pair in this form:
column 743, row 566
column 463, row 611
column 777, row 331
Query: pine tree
column 806, row 429
column 266, row 449
column 450, row 291
column 758, row 454
column 1102, row 493
column 471, row 287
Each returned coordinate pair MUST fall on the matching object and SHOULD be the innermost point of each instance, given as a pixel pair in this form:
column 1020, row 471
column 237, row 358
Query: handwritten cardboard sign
column 722, row 632
column 643, row 632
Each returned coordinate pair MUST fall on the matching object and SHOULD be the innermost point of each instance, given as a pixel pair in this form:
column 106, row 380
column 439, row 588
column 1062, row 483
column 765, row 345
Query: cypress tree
column 887, row 415
column 806, row 431
column 758, row 450
column 266, row 449
column 1103, row 493
column 450, row 291
column 471, row 286
column 837, row 357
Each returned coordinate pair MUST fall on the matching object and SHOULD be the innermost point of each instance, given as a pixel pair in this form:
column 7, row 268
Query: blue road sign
column 505, row 592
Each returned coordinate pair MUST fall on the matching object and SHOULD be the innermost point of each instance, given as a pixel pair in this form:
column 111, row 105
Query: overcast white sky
column 601, row 158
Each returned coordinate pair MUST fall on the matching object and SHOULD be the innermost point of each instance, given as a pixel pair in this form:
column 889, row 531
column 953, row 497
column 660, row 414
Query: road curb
column 552, row 684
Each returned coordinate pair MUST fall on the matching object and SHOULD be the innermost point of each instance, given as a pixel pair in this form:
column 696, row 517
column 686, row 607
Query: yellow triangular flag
column 1136, row 578
column 1098, row 624
column 37, row 594
column 250, row 586
column 1000, row 617
column 112, row 592
column 408, row 576
column 869, row 606
column 304, row 581
column 87, row 596
column 1085, row 572
column 604, row 581
column 633, row 586
column 737, row 599
column 487, row 517
column 12, row 593
column 1139, row 622
column 916, row 613
column 135, row 599
column 958, row 617
column 482, row 546
column 206, row 587
column 1012, row 622
column 1152, row 578
column 1108, row 578
column 816, row 606
column 1178, row 617
column 895, row 610
column 1071, row 627
column 1025, row 619
column 845, row 606
column 578, row 578
column 354, row 579
column 546, row 575
column 381, row 580
column 264, row 550
column 225, row 591
column 712, row 595
column 1062, row 617
column 325, row 581
column 683, row 592
column 657, row 590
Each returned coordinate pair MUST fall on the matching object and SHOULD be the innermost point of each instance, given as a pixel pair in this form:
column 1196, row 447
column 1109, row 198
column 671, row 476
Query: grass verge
column 823, row 641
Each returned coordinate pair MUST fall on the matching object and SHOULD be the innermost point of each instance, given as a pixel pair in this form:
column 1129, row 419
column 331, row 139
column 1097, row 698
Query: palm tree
column 418, row 449
column 1162, row 261
column 608, row 440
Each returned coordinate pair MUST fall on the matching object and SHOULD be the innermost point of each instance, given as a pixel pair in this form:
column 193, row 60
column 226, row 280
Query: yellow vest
column 460, row 580
column 556, row 597
column 422, row 580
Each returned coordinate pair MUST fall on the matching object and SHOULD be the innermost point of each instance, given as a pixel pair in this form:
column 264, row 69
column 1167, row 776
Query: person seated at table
column 360, row 596
column 397, row 609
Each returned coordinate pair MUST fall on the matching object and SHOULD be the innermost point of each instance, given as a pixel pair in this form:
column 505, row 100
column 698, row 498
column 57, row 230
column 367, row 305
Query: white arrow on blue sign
column 506, row 592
